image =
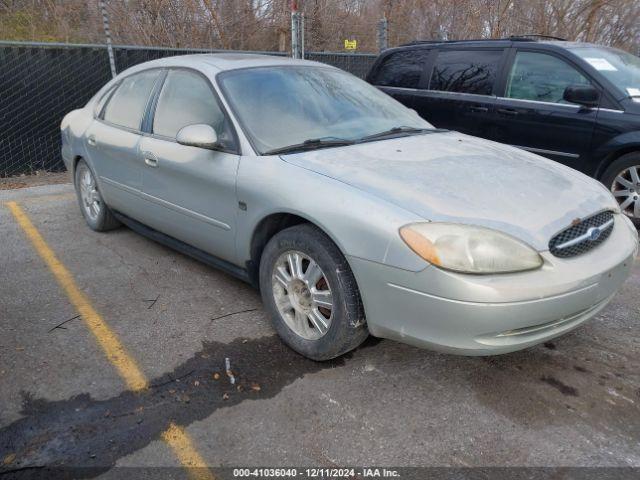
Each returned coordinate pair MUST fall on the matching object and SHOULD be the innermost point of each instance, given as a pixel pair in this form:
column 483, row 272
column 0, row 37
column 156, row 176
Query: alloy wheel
column 91, row 200
column 626, row 189
column 302, row 294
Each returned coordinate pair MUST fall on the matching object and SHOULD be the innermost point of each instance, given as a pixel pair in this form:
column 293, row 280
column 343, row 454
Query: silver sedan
column 351, row 214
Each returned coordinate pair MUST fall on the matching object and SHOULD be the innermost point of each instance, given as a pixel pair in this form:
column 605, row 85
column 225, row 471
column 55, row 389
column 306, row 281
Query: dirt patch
column 35, row 180
column 94, row 434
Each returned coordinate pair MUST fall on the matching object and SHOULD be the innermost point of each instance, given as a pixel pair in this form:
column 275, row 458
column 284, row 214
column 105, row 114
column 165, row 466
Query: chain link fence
column 41, row 82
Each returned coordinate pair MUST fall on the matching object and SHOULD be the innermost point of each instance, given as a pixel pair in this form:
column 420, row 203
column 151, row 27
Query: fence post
column 383, row 37
column 107, row 34
column 297, row 31
column 301, row 33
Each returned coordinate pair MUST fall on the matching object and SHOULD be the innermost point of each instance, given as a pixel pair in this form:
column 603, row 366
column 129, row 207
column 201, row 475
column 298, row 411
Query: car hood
column 451, row 177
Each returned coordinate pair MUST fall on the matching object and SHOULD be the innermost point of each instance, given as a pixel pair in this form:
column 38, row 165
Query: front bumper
column 493, row 314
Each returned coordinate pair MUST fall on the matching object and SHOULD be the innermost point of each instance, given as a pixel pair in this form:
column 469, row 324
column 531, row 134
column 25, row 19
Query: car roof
column 224, row 61
column 498, row 42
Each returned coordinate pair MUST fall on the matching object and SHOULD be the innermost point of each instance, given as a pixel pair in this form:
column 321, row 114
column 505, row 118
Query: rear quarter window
column 99, row 105
column 127, row 105
column 401, row 69
column 466, row 71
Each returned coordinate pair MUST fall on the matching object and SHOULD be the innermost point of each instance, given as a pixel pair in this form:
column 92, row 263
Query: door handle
column 479, row 109
column 508, row 111
column 152, row 162
column 150, row 159
column 91, row 140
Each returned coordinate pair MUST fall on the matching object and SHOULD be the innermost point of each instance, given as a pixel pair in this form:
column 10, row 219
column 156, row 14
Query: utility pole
column 107, row 34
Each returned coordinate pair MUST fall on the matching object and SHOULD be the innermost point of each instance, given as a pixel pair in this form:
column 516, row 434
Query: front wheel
column 311, row 294
column 623, row 178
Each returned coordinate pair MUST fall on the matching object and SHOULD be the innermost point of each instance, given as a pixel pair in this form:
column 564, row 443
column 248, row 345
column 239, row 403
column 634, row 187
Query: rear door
column 460, row 91
column 190, row 191
column 113, row 139
column 532, row 114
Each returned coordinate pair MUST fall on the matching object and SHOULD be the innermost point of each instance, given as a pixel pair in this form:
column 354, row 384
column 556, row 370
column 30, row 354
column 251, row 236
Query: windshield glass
column 621, row 68
column 283, row 106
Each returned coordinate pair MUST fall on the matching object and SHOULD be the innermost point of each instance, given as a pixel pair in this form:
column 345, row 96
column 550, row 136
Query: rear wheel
column 94, row 210
column 623, row 178
column 311, row 294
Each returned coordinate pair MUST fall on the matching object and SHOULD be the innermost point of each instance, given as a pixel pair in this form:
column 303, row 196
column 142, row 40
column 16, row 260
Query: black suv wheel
column 623, row 178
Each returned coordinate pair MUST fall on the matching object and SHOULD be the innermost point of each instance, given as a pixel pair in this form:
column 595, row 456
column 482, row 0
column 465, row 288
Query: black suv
column 576, row 103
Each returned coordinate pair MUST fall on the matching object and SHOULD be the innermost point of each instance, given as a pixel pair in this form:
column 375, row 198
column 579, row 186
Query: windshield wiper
column 310, row 144
column 403, row 130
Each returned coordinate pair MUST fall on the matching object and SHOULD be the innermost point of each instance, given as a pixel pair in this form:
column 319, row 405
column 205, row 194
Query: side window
column 541, row 77
column 402, row 69
column 187, row 99
column 127, row 105
column 471, row 71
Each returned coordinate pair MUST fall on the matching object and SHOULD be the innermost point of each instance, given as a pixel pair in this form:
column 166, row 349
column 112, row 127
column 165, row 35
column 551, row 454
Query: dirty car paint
column 458, row 178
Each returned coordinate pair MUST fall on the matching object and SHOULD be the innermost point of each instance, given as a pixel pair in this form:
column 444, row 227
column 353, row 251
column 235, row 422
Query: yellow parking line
column 185, row 451
column 106, row 338
column 175, row 436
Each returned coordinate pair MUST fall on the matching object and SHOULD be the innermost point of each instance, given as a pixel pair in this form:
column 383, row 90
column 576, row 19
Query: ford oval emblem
column 594, row 234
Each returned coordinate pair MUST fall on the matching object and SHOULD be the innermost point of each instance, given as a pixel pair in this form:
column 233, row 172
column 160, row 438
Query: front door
column 190, row 191
column 533, row 115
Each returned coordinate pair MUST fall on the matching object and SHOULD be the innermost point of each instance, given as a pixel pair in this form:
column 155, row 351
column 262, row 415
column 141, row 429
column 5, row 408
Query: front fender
column 360, row 224
column 616, row 146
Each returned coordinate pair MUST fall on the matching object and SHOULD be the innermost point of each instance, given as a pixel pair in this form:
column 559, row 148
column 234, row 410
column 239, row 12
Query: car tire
column 94, row 210
column 306, row 246
column 623, row 166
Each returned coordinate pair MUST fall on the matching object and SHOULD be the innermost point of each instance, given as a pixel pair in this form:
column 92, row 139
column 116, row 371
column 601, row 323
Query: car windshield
column 619, row 67
column 284, row 106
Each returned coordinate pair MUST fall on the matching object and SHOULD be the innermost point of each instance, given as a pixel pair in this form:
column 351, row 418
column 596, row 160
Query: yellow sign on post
column 350, row 44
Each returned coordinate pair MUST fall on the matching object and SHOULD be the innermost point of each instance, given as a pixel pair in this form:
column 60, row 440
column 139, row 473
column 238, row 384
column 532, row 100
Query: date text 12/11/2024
column 329, row 473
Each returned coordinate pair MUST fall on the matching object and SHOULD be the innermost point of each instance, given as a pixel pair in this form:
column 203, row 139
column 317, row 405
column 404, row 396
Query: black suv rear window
column 470, row 71
column 401, row 69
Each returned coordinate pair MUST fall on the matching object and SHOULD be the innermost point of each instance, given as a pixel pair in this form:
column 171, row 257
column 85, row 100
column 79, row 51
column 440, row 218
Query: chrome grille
column 583, row 236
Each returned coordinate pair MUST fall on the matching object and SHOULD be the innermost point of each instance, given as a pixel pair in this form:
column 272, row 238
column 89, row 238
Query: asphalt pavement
column 571, row 402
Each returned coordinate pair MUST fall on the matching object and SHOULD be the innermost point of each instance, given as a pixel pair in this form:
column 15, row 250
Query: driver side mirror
column 585, row 95
column 199, row 135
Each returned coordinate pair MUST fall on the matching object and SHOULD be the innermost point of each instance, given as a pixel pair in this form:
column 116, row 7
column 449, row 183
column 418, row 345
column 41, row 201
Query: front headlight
column 469, row 249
